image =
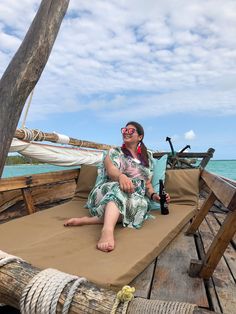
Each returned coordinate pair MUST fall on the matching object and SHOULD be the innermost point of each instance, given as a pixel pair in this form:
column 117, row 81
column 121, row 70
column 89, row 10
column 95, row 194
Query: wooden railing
column 26, row 183
column 183, row 160
column 225, row 192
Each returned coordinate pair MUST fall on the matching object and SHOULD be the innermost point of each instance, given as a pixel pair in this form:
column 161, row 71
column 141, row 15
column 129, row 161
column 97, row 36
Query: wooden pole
column 26, row 67
column 88, row 299
column 53, row 137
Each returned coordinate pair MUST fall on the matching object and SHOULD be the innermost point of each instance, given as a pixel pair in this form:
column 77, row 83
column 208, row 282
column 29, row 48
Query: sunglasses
column 129, row 131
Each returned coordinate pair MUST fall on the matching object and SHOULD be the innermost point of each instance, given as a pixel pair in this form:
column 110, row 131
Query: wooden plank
column 25, row 69
column 223, row 190
column 201, row 214
column 171, row 281
column 230, row 252
column 29, row 203
column 221, row 217
column 219, row 245
column 209, row 285
column 9, row 198
column 45, row 194
column 9, row 184
column 143, row 282
column 222, row 279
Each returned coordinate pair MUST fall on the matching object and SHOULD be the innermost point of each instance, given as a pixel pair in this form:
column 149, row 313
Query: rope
column 62, row 139
column 8, row 260
column 140, row 306
column 43, row 291
column 27, row 108
column 31, row 135
column 125, row 295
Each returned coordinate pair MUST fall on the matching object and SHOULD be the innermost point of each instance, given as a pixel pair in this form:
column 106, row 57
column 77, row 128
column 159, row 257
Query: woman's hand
column 156, row 197
column 167, row 198
column 126, row 184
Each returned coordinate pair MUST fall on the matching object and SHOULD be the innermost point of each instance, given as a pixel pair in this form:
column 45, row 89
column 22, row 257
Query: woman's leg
column 86, row 220
column 106, row 242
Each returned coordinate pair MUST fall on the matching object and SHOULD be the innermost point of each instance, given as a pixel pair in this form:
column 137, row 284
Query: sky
column 167, row 64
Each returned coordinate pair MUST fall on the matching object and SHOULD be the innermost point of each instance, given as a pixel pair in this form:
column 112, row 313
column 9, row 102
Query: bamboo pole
column 53, row 137
column 26, row 67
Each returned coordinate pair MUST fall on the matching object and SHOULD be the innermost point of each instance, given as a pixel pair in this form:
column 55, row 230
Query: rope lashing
column 125, row 295
column 62, row 139
column 41, row 294
column 31, row 135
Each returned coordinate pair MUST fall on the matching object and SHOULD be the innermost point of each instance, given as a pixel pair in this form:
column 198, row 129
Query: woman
column 123, row 189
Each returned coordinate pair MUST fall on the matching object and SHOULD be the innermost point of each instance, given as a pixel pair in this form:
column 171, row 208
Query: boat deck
column 167, row 277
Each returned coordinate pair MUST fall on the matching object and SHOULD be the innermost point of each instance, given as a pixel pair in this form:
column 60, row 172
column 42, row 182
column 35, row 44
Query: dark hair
column 144, row 154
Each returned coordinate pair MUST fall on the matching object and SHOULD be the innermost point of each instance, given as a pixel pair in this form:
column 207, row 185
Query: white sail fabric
column 56, row 155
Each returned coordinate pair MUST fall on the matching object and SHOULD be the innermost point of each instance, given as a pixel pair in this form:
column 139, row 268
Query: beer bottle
column 163, row 202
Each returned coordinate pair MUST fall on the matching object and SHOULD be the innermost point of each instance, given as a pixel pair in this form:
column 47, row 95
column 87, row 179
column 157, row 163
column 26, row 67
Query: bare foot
column 106, row 243
column 83, row 221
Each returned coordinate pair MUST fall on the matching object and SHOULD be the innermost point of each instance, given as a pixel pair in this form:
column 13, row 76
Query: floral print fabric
column 133, row 207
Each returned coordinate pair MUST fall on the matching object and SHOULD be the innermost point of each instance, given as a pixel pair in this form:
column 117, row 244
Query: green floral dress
column 133, row 207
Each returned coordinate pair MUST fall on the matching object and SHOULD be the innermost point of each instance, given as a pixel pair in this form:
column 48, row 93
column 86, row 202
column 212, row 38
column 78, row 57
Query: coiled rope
column 41, row 294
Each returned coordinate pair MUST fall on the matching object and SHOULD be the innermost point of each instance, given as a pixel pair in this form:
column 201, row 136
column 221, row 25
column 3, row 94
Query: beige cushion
column 183, row 186
column 43, row 241
column 86, row 181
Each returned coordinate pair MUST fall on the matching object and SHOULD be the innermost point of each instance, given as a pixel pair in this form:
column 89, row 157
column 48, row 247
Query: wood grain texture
column 222, row 280
column 26, row 67
column 171, row 280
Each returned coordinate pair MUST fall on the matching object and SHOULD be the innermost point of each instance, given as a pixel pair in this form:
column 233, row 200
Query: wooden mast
column 26, row 67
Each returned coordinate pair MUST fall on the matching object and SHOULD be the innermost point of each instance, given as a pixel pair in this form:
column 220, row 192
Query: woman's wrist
column 121, row 174
column 151, row 196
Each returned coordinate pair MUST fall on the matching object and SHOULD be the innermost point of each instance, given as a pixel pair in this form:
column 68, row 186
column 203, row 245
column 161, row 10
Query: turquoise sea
column 225, row 168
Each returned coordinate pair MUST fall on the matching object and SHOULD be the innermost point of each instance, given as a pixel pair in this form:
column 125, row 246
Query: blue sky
column 170, row 65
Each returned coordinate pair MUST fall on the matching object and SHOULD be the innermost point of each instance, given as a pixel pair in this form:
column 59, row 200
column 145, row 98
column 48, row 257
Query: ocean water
column 27, row 169
column 225, row 168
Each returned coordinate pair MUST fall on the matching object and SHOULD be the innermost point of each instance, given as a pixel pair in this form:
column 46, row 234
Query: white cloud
column 133, row 57
column 190, row 135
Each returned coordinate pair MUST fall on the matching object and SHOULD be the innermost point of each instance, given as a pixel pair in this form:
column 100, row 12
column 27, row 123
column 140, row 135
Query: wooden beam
column 182, row 155
column 223, row 190
column 29, row 203
column 26, row 67
column 9, row 184
column 201, row 214
column 219, row 245
column 53, row 137
column 207, row 158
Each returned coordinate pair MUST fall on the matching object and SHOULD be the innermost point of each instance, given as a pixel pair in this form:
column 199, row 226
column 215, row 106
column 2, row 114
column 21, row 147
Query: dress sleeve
column 115, row 156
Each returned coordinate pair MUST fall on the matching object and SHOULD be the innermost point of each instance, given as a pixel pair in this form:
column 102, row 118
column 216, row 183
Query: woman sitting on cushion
column 123, row 191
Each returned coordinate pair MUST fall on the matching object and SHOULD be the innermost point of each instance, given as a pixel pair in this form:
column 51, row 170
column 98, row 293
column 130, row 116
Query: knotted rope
column 41, row 294
column 125, row 295
column 31, row 135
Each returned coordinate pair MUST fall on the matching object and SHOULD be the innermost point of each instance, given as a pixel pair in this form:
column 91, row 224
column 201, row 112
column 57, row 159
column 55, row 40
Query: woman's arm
column 115, row 174
column 152, row 194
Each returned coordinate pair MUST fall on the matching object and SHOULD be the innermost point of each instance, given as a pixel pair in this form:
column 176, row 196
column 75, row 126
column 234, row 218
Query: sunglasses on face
column 129, row 131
